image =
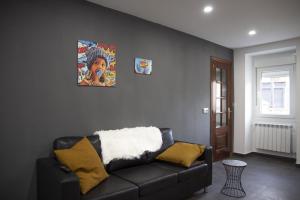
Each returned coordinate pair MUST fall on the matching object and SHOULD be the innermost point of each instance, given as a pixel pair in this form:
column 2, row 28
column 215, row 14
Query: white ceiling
column 227, row 25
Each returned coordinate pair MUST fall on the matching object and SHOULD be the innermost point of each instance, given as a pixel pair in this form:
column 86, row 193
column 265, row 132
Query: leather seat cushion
column 197, row 169
column 113, row 188
column 148, row 178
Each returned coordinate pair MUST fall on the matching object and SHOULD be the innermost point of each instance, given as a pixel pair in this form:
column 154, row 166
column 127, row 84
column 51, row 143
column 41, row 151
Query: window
column 274, row 90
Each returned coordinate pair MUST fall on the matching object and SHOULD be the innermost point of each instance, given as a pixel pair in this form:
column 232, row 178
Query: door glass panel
column 223, row 105
column 218, row 105
column 221, row 93
column 218, row 74
column 223, row 75
column 224, row 90
column 218, row 120
column 218, row 89
column 221, row 120
column 224, row 122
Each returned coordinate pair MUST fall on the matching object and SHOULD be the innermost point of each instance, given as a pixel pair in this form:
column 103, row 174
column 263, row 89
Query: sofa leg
column 204, row 191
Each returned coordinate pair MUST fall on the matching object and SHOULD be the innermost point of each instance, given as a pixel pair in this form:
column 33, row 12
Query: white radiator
column 273, row 137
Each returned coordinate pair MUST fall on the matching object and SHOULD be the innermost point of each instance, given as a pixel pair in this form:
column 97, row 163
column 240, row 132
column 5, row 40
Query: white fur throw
column 128, row 143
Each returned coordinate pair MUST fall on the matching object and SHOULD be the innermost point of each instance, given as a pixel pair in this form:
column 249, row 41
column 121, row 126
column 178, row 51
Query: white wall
column 243, row 92
column 248, row 101
column 273, row 59
column 239, row 102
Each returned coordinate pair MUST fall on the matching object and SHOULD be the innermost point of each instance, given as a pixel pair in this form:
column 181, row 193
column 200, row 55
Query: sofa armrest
column 54, row 183
column 207, row 156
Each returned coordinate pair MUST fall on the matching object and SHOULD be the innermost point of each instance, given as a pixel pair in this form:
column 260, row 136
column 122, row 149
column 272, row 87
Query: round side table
column 233, row 185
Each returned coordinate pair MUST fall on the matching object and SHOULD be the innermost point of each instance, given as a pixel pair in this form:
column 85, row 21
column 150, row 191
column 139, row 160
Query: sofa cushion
column 182, row 153
column 84, row 161
column 113, row 188
column 197, row 169
column 148, row 178
column 69, row 141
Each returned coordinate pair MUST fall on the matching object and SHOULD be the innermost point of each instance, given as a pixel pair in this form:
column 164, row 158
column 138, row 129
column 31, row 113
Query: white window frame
column 259, row 71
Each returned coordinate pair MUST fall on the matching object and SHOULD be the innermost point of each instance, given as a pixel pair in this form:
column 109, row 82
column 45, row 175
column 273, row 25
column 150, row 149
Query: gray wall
column 41, row 101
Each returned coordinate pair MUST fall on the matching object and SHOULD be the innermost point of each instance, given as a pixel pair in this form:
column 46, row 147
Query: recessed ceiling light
column 208, row 9
column 252, row 32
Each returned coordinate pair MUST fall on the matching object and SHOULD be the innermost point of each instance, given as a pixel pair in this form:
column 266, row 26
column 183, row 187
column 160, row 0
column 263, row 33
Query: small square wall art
column 143, row 66
column 96, row 64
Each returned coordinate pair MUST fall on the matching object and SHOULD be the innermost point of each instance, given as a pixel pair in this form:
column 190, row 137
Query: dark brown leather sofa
column 143, row 179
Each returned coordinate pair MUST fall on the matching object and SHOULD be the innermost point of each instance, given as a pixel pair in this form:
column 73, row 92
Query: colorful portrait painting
column 96, row 64
column 142, row 66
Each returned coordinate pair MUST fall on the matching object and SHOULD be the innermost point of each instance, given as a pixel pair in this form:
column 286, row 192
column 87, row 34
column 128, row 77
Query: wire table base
column 233, row 185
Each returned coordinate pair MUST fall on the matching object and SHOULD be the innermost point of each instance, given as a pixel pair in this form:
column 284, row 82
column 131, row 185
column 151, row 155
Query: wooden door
column 221, row 108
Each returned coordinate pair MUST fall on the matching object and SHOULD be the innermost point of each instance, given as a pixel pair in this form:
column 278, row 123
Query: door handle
column 229, row 113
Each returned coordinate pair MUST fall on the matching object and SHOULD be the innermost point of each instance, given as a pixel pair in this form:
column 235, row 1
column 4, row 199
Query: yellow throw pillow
column 84, row 161
column 182, row 153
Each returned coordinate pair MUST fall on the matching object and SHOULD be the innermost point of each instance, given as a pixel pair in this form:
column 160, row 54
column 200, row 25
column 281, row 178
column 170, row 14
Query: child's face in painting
column 99, row 64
